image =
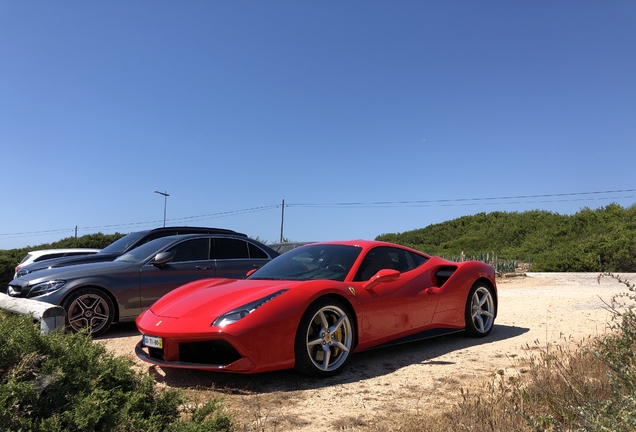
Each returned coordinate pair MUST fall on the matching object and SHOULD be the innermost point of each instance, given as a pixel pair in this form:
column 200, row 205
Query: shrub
column 65, row 382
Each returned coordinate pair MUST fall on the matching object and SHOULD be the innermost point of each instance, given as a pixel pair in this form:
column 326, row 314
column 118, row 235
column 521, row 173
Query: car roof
column 194, row 230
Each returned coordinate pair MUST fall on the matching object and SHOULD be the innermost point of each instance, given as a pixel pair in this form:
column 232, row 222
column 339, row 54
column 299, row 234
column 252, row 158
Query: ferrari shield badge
column 353, row 292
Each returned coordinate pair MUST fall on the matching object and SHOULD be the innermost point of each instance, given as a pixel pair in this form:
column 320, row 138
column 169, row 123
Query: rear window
column 25, row 258
column 48, row 256
column 256, row 252
column 228, row 248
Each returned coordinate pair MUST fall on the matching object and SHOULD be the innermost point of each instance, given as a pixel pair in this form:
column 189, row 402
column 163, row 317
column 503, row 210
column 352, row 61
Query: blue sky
column 233, row 106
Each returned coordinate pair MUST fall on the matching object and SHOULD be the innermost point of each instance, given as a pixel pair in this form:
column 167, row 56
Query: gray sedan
column 98, row 294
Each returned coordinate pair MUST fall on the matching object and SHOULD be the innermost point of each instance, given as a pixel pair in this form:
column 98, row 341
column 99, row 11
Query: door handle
column 199, row 267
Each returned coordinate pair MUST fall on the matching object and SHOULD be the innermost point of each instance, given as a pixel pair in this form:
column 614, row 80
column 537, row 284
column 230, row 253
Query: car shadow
column 366, row 364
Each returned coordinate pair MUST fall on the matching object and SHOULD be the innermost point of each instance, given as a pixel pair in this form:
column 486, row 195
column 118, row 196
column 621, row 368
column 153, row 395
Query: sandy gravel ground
column 535, row 310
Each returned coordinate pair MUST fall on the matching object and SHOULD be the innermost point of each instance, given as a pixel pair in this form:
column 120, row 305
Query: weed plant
column 65, row 382
column 588, row 387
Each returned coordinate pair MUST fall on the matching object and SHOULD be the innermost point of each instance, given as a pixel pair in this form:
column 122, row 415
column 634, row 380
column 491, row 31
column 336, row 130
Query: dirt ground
column 535, row 310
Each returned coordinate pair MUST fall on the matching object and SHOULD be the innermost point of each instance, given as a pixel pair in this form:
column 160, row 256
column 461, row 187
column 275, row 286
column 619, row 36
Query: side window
column 377, row 259
column 256, row 252
column 191, row 250
column 418, row 260
column 229, row 248
column 388, row 258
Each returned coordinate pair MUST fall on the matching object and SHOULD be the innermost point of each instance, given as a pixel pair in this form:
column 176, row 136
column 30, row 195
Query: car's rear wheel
column 480, row 310
column 89, row 310
column 324, row 338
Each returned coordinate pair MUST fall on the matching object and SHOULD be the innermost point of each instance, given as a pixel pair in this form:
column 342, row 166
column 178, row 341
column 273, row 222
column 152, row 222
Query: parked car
column 314, row 306
column 121, row 246
column 98, row 294
column 287, row 246
column 46, row 254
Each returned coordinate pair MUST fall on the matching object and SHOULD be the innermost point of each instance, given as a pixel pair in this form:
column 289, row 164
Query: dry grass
column 531, row 398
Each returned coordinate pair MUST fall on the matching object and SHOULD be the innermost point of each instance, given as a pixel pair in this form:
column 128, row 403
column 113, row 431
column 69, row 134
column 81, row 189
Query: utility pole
column 282, row 220
column 165, row 203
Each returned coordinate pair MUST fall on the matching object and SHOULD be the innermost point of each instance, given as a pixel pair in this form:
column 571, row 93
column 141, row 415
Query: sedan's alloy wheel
column 90, row 311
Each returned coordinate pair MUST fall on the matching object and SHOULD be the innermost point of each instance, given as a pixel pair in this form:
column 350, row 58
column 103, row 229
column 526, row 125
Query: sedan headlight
column 46, row 287
column 243, row 311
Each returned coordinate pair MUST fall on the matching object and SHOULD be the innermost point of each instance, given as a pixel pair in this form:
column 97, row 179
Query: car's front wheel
column 89, row 310
column 324, row 339
column 480, row 310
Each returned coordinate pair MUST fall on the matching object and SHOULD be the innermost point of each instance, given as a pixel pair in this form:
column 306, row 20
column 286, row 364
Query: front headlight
column 243, row 311
column 46, row 287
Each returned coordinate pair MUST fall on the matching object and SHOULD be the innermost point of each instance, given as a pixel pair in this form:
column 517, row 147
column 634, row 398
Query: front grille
column 156, row 353
column 208, row 352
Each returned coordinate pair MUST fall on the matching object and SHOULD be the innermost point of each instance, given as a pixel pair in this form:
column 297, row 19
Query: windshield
column 313, row 262
column 121, row 245
column 146, row 250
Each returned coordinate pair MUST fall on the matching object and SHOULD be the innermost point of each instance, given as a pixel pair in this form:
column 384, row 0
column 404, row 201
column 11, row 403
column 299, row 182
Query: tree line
column 587, row 241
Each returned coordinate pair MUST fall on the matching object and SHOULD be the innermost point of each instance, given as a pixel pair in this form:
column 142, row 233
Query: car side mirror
column 162, row 258
column 384, row 275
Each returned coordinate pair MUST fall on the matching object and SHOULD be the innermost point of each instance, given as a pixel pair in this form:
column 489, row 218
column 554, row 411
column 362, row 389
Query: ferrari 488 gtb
column 313, row 306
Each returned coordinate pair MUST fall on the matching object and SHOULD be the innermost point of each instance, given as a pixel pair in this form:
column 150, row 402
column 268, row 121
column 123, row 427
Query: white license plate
column 152, row 342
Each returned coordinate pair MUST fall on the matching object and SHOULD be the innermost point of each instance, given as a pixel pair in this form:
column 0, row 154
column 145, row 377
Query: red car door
column 397, row 308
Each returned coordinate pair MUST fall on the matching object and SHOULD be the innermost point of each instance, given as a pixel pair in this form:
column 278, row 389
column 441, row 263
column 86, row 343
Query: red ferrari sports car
column 313, row 306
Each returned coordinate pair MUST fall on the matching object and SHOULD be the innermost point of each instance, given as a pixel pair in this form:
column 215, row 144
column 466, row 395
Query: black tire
column 324, row 350
column 481, row 310
column 89, row 310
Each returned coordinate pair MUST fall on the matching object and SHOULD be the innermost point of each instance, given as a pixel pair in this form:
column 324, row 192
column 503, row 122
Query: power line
column 563, row 197
column 142, row 224
column 464, row 200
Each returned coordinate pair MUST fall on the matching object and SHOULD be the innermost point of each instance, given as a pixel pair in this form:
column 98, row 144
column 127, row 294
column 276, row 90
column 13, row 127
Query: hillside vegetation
column 588, row 241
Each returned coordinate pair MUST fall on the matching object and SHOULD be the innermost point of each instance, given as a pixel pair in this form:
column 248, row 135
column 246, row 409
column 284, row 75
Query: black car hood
column 68, row 261
column 72, row 272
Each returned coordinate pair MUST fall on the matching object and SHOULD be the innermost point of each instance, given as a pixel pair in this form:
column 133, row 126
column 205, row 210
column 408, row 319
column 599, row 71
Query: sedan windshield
column 312, row 262
column 145, row 251
column 119, row 246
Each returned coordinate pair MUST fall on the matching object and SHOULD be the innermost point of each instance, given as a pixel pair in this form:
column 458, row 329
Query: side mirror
column 162, row 258
column 384, row 275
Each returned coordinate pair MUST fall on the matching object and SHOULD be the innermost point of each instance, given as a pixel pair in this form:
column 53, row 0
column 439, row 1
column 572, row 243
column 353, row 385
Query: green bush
column 68, row 383
column 588, row 241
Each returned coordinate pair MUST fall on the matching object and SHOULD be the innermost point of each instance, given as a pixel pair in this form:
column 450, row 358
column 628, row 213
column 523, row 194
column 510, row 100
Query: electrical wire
column 506, row 200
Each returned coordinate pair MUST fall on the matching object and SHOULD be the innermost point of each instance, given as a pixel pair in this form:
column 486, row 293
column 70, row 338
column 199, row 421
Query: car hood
column 213, row 297
column 70, row 260
column 72, row 272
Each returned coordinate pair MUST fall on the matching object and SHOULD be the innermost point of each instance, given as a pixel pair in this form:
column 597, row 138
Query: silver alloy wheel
column 89, row 312
column 329, row 338
column 482, row 310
